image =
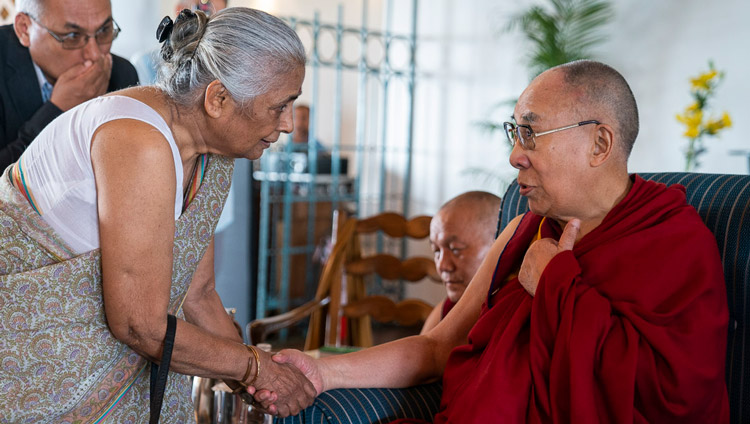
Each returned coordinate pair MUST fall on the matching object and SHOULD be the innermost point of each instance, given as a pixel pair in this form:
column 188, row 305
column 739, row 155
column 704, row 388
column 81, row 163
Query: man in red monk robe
column 604, row 303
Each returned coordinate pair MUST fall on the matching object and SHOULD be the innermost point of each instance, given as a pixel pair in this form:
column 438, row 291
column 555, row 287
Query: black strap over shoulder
column 159, row 373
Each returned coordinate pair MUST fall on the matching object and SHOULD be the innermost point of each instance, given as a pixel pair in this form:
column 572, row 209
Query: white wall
column 138, row 20
column 658, row 46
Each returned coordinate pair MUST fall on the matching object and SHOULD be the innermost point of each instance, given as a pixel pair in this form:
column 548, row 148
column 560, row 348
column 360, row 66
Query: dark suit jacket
column 22, row 114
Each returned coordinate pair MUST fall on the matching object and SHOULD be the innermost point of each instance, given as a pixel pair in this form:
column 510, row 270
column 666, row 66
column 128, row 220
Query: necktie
column 46, row 92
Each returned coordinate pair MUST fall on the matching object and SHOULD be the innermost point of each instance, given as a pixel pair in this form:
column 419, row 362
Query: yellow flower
column 702, row 89
column 691, row 132
column 726, row 119
column 714, row 125
column 702, row 81
column 691, row 118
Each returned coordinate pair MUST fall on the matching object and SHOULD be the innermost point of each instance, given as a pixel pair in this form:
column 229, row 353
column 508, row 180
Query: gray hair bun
column 246, row 49
column 184, row 36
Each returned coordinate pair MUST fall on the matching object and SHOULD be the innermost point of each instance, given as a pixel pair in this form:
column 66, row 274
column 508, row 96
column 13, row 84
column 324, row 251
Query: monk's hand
column 542, row 251
column 281, row 388
column 306, row 364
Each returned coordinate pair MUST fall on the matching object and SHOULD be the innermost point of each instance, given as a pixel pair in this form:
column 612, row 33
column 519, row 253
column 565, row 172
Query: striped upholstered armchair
column 723, row 201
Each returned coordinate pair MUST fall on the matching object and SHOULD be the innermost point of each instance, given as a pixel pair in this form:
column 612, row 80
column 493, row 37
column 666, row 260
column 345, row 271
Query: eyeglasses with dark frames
column 527, row 137
column 76, row 40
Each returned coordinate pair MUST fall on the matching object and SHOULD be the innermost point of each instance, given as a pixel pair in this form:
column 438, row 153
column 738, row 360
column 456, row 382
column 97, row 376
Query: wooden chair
column 341, row 296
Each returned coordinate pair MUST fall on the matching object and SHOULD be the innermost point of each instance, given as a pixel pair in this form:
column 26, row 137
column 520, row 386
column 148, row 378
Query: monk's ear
column 217, row 101
column 22, row 25
column 603, row 145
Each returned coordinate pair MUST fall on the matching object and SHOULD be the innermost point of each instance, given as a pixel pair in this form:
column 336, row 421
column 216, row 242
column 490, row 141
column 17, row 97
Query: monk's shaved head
column 461, row 234
column 478, row 205
column 605, row 89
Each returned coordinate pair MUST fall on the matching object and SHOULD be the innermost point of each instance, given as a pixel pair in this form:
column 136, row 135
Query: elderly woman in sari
column 108, row 218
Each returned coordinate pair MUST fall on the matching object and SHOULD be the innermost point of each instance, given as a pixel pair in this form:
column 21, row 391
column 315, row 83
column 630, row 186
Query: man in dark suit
column 54, row 57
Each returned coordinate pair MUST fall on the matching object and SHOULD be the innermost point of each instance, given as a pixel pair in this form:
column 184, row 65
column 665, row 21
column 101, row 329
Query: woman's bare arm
column 203, row 307
column 135, row 180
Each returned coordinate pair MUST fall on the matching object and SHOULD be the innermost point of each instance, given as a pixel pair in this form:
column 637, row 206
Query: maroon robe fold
column 629, row 326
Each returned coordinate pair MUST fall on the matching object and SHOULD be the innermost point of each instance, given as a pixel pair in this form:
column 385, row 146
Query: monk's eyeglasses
column 527, row 137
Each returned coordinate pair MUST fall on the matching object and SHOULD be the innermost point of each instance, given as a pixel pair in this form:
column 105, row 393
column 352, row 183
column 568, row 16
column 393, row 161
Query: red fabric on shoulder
column 630, row 326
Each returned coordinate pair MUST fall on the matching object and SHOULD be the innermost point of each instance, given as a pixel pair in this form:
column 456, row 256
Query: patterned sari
column 58, row 360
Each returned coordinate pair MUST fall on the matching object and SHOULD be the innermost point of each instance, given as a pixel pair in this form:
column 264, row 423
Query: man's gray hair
column 34, row 8
column 245, row 49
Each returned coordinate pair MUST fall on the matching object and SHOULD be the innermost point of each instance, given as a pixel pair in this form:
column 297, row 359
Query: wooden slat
column 396, row 225
column 391, row 268
column 383, row 309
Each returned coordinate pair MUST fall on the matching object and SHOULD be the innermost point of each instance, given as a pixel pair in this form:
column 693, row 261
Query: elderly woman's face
column 554, row 175
column 249, row 132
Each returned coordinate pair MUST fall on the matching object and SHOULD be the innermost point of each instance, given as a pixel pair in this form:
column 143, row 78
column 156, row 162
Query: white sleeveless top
column 57, row 168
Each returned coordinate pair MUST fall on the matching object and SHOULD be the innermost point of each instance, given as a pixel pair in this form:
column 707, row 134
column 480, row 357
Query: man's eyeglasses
column 527, row 137
column 76, row 40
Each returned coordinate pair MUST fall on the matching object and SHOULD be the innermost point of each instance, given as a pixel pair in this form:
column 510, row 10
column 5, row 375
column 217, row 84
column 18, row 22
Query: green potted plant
column 560, row 31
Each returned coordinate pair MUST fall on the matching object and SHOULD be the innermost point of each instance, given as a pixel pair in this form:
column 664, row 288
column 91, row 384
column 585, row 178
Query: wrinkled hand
column 82, row 82
column 308, row 365
column 542, row 251
column 281, row 388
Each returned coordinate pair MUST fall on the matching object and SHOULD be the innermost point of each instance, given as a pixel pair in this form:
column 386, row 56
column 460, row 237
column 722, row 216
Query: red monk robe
column 628, row 327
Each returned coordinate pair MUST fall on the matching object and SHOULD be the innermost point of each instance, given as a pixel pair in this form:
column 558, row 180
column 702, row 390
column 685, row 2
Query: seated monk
column 604, row 303
column 461, row 233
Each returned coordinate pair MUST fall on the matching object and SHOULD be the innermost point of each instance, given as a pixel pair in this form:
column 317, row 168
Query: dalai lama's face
column 553, row 176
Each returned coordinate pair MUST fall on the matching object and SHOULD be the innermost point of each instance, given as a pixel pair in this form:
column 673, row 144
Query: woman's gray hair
column 245, row 49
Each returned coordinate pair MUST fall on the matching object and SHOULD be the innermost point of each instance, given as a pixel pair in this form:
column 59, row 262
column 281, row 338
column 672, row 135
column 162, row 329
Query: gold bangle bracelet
column 247, row 373
column 257, row 365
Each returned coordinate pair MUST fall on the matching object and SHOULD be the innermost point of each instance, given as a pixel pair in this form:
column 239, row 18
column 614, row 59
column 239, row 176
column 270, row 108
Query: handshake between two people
column 288, row 383
column 295, row 378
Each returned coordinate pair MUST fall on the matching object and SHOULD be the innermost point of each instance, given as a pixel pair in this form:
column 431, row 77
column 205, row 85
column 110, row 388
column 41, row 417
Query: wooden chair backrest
column 347, row 267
